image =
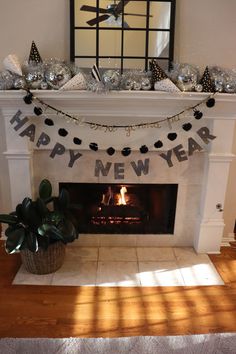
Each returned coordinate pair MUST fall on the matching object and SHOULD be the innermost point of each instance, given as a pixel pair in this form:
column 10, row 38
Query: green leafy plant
column 39, row 223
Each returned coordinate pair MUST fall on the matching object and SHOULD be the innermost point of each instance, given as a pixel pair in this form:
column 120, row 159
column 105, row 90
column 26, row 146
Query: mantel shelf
column 123, row 103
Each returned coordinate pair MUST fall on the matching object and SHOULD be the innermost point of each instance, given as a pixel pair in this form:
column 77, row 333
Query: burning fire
column 121, row 200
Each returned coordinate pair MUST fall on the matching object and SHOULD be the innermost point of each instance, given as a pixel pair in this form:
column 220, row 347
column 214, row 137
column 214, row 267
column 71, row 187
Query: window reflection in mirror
column 140, row 31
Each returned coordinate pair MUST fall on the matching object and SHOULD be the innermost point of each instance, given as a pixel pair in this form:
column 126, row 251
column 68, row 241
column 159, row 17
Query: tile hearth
column 128, row 266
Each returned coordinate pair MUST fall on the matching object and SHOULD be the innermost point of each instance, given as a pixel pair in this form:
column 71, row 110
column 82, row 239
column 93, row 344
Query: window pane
column 158, row 44
column 81, row 17
column 160, row 12
column 134, row 43
column 136, row 7
column 109, row 43
column 134, row 64
column 109, row 63
column 85, row 62
column 85, row 42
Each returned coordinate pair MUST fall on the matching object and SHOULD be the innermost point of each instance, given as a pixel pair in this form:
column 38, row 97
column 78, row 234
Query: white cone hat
column 77, row 82
column 12, row 63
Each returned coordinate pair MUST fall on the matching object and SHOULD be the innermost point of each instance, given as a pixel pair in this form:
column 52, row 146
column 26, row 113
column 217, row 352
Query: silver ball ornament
column 230, row 85
column 146, row 84
column 57, row 74
column 111, row 79
column 219, row 87
column 20, row 83
column 34, row 76
column 187, row 77
column 128, row 84
column 44, row 85
column 198, row 88
column 218, row 80
column 6, row 80
column 137, row 85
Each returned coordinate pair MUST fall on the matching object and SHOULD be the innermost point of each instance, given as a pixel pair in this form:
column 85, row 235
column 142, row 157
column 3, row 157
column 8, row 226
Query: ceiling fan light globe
column 112, row 21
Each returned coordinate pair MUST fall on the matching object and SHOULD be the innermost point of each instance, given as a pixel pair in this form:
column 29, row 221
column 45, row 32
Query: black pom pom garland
column 198, row 114
column 172, row 136
column 210, row 103
column 187, row 126
column 126, row 151
column 49, row 122
column 28, row 98
column 77, row 141
column 62, row 132
column 143, row 149
column 111, row 151
column 93, row 146
column 158, row 144
column 38, row 111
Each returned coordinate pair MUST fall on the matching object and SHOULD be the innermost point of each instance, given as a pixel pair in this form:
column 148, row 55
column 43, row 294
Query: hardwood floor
column 44, row 311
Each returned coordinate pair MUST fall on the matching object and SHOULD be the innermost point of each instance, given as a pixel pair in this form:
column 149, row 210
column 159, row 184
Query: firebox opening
column 102, row 208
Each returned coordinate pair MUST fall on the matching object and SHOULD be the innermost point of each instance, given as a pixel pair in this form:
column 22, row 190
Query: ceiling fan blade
column 120, row 5
column 141, row 15
column 98, row 19
column 93, row 9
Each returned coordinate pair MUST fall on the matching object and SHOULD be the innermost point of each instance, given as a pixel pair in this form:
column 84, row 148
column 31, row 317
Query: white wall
column 205, row 32
column 205, row 35
column 45, row 21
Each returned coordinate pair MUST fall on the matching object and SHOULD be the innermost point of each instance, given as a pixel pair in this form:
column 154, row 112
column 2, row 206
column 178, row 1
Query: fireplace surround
column 201, row 179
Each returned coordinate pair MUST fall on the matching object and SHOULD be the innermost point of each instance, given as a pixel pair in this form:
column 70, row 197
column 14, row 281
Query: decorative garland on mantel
column 30, row 97
column 44, row 139
column 39, row 110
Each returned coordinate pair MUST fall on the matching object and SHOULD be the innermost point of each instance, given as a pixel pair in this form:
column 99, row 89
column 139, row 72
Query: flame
column 121, row 200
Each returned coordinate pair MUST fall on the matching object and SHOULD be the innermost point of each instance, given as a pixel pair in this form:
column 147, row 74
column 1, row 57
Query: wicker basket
column 44, row 261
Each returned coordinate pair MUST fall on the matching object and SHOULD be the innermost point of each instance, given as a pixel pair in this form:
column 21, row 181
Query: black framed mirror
column 122, row 34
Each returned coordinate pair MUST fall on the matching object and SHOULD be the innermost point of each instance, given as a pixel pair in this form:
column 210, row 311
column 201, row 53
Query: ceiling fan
column 113, row 10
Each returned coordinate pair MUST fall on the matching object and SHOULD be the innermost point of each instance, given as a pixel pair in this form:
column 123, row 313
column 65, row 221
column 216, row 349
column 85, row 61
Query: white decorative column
column 211, row 226
column 18, row 155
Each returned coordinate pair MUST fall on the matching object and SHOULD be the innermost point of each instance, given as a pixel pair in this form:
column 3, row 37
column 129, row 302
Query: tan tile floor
column 128, row 266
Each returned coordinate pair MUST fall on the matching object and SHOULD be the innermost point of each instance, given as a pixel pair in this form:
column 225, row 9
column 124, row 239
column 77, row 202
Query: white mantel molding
column 18, row 155
column 142, row 104
column 213, row 157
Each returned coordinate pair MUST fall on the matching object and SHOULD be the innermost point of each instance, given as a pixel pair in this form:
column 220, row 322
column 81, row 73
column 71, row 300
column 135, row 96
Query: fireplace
column 201, row 179
column 102, row 208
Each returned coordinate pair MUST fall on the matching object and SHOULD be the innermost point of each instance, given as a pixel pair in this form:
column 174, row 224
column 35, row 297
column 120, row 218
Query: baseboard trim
column 227, row 239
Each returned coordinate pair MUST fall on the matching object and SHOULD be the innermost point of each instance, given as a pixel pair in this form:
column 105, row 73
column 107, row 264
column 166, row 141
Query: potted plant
column 40, row 230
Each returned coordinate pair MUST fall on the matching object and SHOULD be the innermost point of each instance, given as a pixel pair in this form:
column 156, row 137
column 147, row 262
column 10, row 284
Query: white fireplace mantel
column 131, row 107
column 144, row 104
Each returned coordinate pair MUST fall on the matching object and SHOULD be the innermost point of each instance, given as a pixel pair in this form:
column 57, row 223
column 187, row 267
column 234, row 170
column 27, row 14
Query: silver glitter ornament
column 219, row 87
column 34, row 75
column 218, row 77
column 111, row 79
column 219, row 82
column 146, row 84
column 137, row 85
column 186, row 77
column 230, row 85
column 198, row 88
column 6, row 80
column 44, row 85
column 20, row 83
column 95, row 86
column 128, row 84
column 57, row 74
